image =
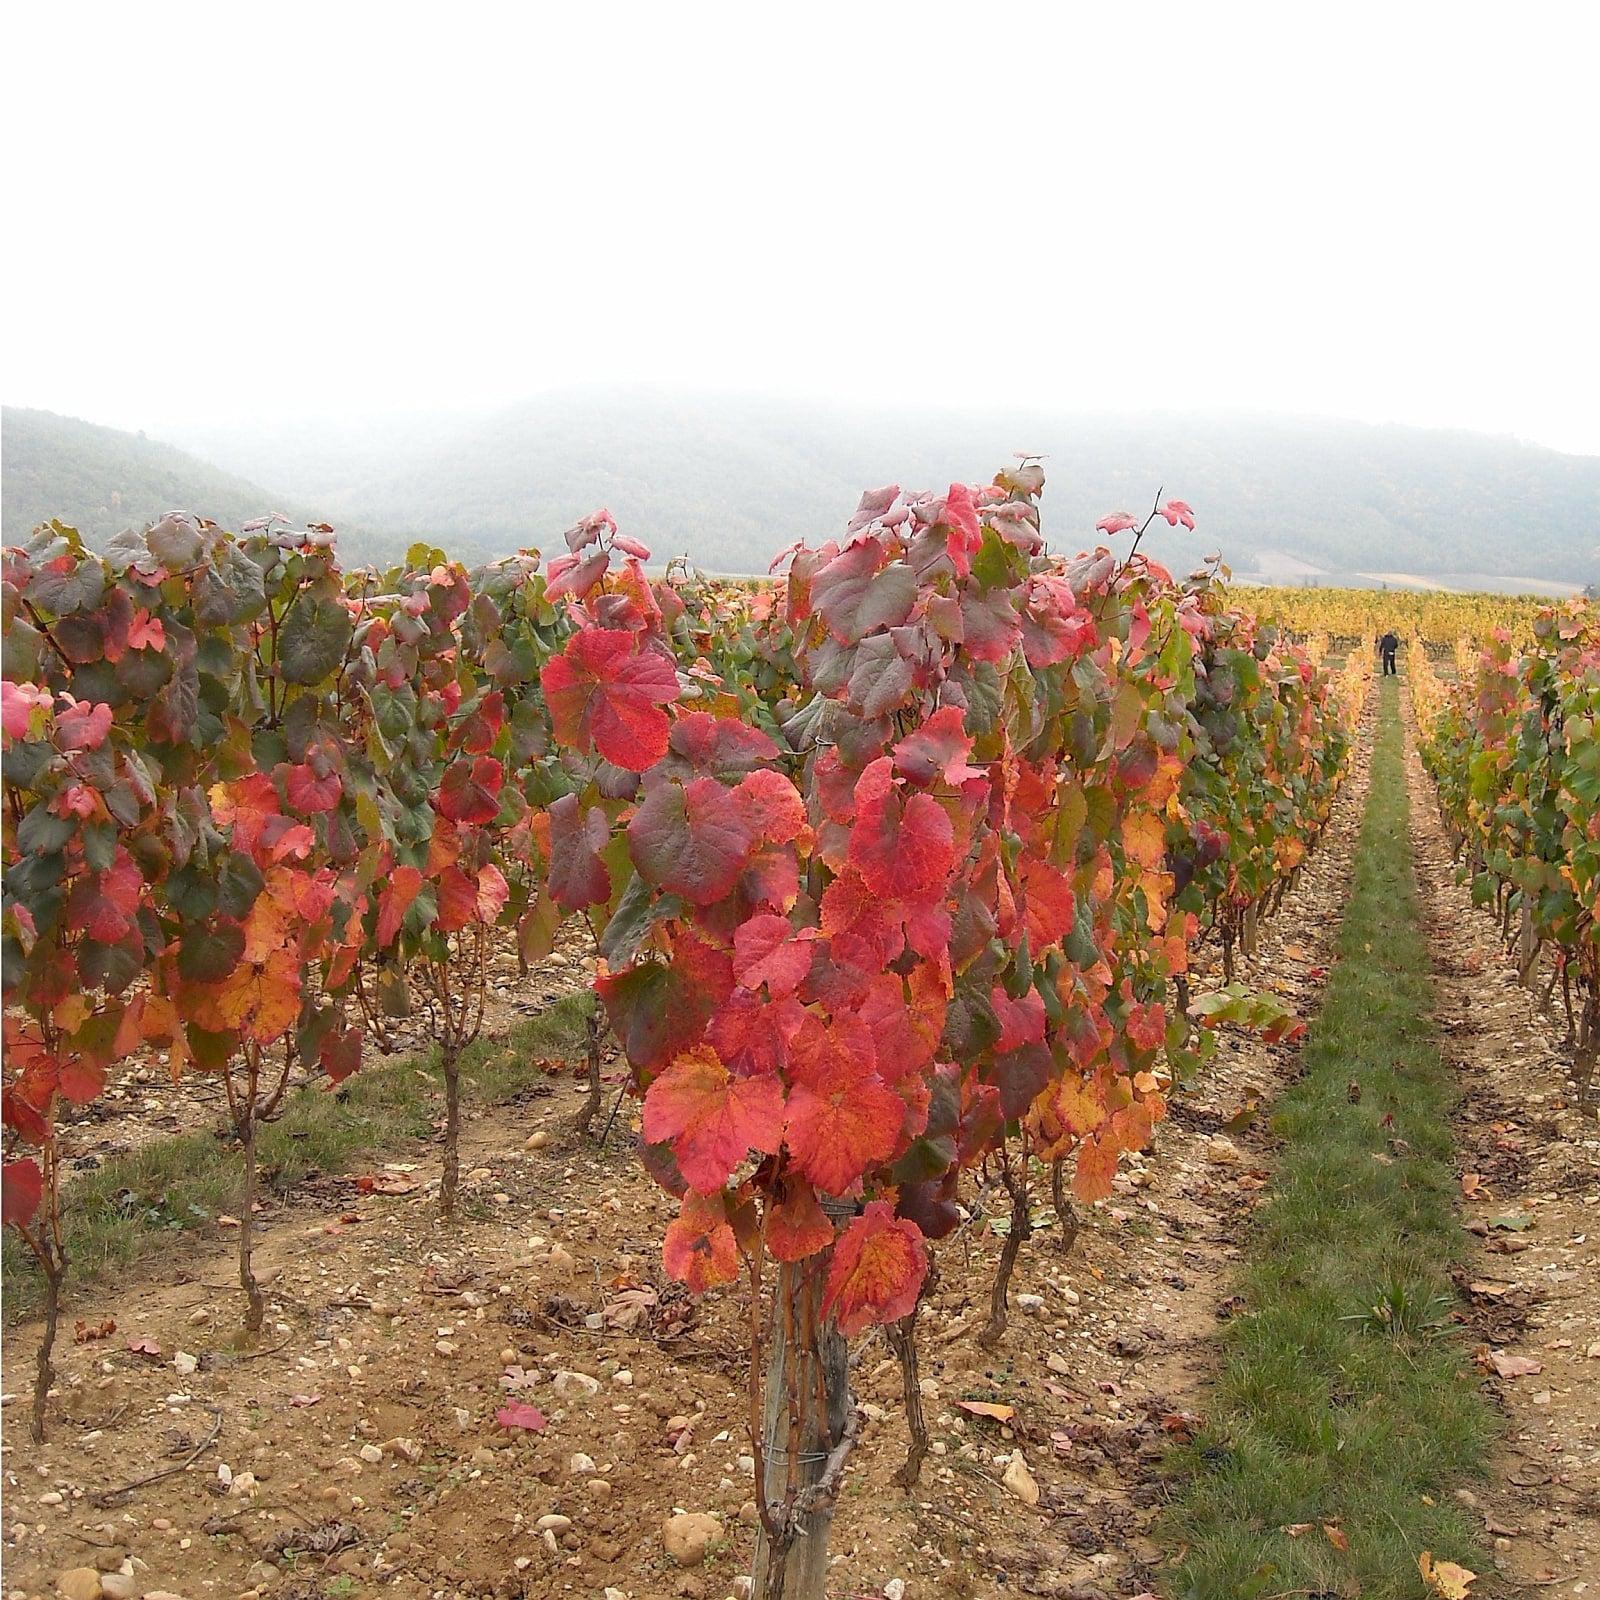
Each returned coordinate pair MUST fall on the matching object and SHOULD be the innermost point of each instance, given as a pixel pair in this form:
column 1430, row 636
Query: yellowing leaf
column 1445, row 1578
column 983, row 1408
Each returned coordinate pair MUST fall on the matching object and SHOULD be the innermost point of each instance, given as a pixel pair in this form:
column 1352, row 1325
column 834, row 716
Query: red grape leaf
column 604, row 688
column 712, row 1118
column 877, row 1270
column 103, row 904
column 578, row 875
column 310, row 793
column 771, row 806
column 22, row 1190
column 470, row 790
column 690, row 839
column 768, row 950
column 902, row 847
column 716, row 747
column 938, row 749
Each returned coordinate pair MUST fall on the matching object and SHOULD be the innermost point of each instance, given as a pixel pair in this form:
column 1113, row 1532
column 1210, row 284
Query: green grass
column 1343, row 1397
column 124, row 1210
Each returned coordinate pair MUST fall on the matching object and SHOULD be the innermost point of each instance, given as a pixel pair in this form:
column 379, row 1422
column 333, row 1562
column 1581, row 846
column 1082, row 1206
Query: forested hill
column 101, row 480
column 730, row 480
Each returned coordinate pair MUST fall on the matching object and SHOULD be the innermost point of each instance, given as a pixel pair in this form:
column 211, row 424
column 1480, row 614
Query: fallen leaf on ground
column 85, row 1332
column 529, row 1419
column 1445, row 1578
column 1295, row 1529
column 1336, row 1536
column 304, row 1399
column 983, row 1408
column 144, row 1347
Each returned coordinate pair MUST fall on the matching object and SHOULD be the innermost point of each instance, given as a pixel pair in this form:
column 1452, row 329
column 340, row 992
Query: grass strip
column 129, row 1206
column 1346, row 1401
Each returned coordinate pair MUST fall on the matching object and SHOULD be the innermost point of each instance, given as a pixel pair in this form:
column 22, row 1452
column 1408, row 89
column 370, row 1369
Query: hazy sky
column 1385, row 212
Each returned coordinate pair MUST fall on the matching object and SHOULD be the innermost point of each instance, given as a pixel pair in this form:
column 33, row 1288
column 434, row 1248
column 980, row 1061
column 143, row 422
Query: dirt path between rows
column 358, row 1446
column 1530, row 1166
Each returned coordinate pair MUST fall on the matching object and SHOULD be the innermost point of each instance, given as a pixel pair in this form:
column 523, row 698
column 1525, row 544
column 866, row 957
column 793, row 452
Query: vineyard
column 914, row 947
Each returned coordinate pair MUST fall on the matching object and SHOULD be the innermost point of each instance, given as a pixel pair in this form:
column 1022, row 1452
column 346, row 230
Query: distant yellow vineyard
column 1345, row 615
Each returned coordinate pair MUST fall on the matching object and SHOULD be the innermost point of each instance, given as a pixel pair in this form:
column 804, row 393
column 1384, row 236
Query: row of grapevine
column 894, row 867
column 1354, row 617
column 1511, row 745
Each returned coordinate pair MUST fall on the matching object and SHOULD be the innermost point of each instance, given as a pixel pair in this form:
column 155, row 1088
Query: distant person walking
column 1387, row 646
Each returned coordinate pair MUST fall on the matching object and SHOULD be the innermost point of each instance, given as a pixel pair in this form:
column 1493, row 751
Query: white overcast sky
column 1386, row 212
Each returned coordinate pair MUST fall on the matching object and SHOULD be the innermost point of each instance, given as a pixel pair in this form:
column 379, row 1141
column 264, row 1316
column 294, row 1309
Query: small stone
column 580, row 1463
column 119, row 1586
column 561, row 1260
column 1030, row 1302
column 689, row 1536
column 553, row 1522
column 109, row 1561
column 895, row 1589
column 570, row 1384
column 748, row 1514
column 52, row 1497
column 243, row 1485
column 445, row 1347
column 598, row 1488
column 199, row 1317
column 372, row 1454
column 185, row 1363
column 260, row 1574
column 1058, row 1364
column 508, row 1357
column 537, row 1141
column 79, row 1583
column 406, row 1449
column 742, row 1586
column 1221, row 1151
column 1020, row 1481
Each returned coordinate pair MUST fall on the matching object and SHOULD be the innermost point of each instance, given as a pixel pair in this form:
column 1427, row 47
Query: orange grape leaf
column 403, row 886
column 1144, row 839
column 877, row 1270
column 986, row 1408
column 796, row 1226
column 842, row 1116
column 699, row 1249
column 1097, row 1165
column 1336, row 1535
column 712, row 1118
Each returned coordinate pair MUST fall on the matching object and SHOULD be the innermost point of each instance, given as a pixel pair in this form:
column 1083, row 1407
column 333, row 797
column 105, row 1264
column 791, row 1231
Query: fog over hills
column 730, row 479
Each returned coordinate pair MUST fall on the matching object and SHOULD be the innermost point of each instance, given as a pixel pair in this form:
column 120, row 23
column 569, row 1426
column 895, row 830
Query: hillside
column 101, row 480
column 731, row 479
